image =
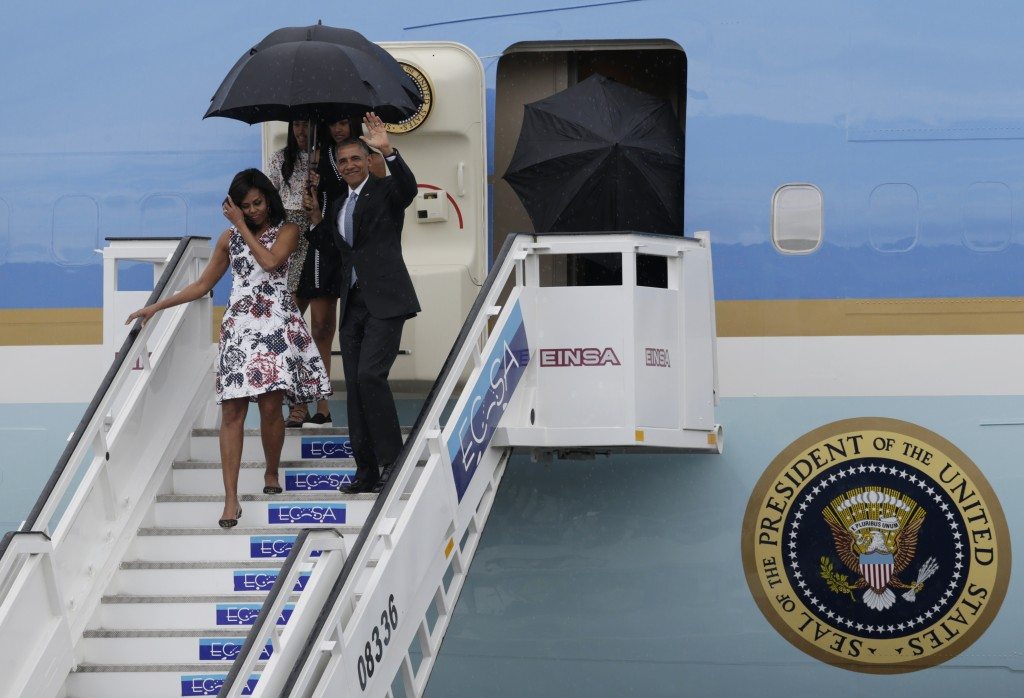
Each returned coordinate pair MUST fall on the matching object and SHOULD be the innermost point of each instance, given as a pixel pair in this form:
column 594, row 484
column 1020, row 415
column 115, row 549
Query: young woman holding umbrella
column 265, row 349
column 289, row 171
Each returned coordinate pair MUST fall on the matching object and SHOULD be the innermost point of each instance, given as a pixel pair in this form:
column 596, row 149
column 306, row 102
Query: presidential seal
column 427, row 95
column 877, row 546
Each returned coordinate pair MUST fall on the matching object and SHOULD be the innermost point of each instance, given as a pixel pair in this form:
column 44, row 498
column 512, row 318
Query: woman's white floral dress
column 264, row 342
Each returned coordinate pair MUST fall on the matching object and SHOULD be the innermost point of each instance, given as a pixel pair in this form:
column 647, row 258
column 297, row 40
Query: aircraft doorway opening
column 532, row 71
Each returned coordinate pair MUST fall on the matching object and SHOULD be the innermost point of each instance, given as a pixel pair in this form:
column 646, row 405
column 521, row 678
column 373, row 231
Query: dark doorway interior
column 532, row 71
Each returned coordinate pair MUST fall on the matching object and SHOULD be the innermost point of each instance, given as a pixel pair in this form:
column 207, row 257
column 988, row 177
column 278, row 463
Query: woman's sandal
column 272, row 489
column 230, row 523
column 296, row 417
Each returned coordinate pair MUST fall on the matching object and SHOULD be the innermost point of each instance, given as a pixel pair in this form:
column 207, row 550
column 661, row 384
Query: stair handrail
column 331, row 547
column 233, row 686
column 136, row 337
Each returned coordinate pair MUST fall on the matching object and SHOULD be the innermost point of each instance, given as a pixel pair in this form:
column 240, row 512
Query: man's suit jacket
column 376, row 249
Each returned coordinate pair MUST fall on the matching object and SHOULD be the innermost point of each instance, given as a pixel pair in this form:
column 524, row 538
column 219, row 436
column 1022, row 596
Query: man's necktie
column 348, row 229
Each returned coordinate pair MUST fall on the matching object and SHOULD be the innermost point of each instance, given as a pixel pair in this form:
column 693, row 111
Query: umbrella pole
column 312, row 157
column 311, row 140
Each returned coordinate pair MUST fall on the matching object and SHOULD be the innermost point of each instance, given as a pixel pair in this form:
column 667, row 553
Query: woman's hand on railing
column 142, row 313
column 212, row 272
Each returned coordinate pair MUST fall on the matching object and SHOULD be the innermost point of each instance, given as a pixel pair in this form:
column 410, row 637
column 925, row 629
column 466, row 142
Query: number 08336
column 380, row 637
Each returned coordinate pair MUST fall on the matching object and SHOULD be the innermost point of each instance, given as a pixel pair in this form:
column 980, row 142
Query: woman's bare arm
column 273, row 257
column 213, row 272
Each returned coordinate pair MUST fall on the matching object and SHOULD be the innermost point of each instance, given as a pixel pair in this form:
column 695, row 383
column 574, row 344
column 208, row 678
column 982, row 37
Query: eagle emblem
column 875, row 532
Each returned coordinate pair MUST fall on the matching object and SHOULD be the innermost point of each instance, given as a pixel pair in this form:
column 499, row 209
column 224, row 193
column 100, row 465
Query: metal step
column 203, row 477
column 182, row 612
column 139, row 683
column 190, row 579
column 216, row 544
column 229, row 578
column 299, row 444
column 307, row 509
column 89, row 667
column 207, row 646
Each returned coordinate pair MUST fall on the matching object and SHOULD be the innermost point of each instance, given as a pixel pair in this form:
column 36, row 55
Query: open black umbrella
column 315, row 72
column 600, row 156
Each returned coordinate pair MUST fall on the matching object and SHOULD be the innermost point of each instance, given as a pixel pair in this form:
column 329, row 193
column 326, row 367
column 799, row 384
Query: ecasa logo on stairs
column 326, row 447
column 318, row 480
column 226, row 649
column 306, row 513
column 482, row 409
column 273, row 546
column 210, row 684
column 263, row 580
column 246, row 613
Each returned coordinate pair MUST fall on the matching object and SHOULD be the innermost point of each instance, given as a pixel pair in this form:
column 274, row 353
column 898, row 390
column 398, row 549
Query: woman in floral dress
column 266, row 352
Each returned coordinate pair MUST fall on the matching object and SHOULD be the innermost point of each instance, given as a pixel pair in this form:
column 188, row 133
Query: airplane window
column 798, row 218
column 988, row 216
column 76, row 230
column 164, row 215
column 893, row 218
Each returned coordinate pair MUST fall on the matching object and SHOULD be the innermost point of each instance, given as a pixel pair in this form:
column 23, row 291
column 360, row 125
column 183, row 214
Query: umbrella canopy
column 600, row 156
column 315, row 72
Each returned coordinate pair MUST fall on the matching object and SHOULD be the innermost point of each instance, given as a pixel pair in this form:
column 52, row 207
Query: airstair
column 120, row 583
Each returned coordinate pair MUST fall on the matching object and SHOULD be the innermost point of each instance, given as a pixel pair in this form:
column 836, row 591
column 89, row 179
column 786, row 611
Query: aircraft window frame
column 86, row 228
column 156, row 198
column 777, row 225
column 969, row 224
column 883, row 216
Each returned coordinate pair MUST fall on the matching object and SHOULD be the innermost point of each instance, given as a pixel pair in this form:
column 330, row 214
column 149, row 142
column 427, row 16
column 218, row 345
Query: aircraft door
column 445, row 236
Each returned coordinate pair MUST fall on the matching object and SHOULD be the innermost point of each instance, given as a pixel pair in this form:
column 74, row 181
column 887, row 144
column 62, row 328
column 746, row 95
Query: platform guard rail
column 54, row 568
column 414, row 552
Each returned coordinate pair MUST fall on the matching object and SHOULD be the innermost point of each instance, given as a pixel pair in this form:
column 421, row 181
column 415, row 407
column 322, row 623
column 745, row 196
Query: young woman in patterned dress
column 266, row 352
column 288, row 170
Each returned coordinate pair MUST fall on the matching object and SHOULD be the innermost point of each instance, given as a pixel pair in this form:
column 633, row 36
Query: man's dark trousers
column 369, row 347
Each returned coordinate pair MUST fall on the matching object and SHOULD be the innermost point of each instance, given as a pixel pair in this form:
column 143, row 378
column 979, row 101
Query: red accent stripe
column 458, row 211
column 877, row 576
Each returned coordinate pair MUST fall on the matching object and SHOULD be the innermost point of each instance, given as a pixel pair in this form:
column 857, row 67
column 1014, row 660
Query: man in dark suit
column 376, row 295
